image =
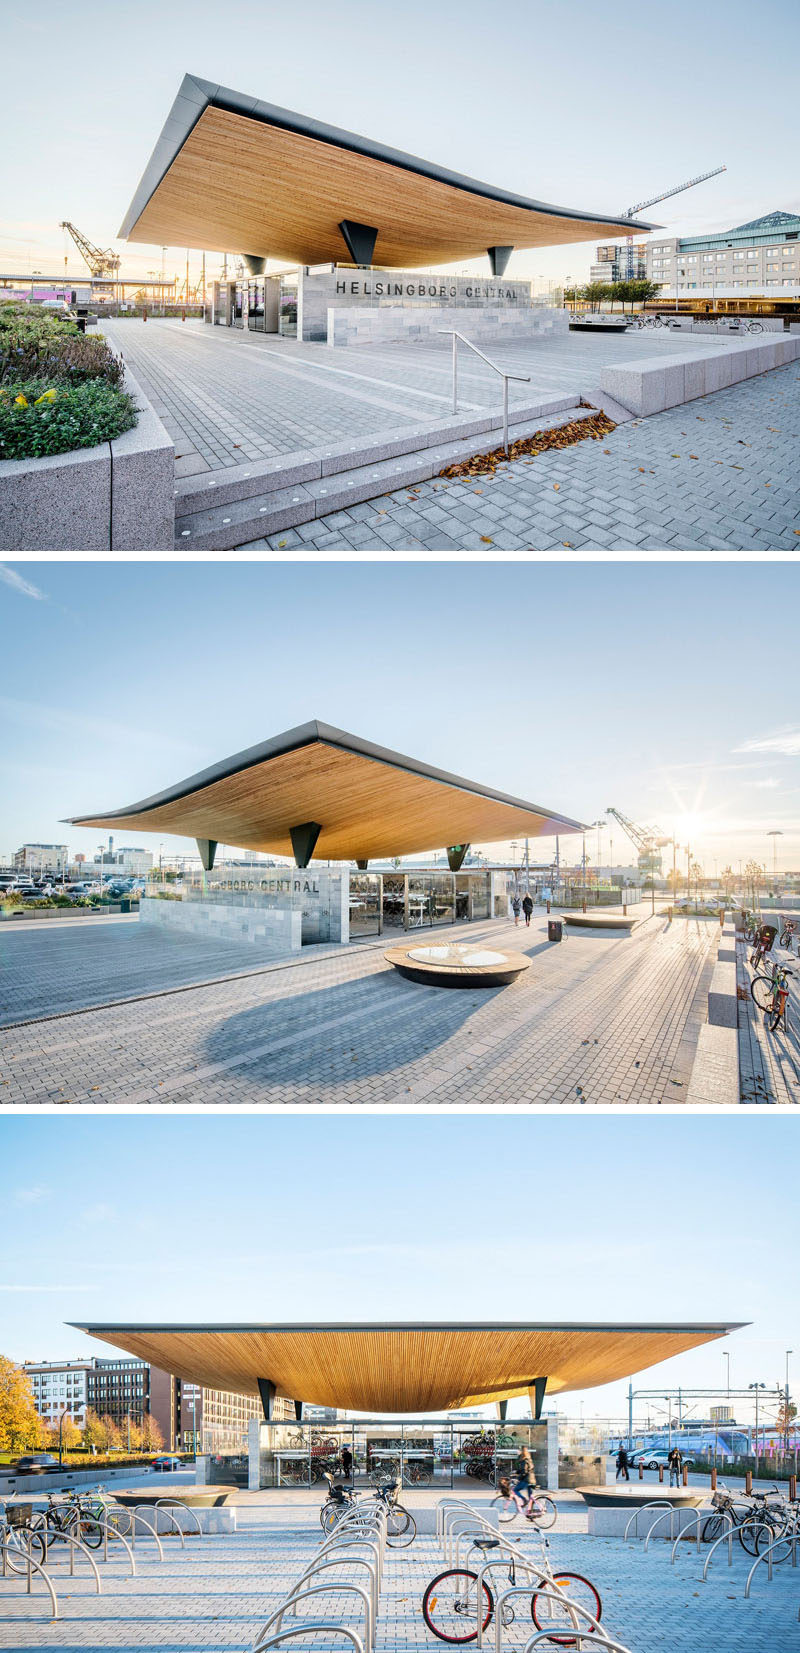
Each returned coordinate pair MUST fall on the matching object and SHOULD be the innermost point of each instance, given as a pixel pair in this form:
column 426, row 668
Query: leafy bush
column 38, row 418
column 37, row 344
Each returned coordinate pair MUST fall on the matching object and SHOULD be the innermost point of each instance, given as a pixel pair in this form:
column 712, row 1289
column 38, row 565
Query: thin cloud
column 30, row 1196
column 69, row 1287
column 786, row 741
column 23, row 588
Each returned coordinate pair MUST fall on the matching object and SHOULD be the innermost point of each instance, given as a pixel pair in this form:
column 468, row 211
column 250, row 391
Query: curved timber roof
column 232, row 173
column 406, row 1367
column 368, row 802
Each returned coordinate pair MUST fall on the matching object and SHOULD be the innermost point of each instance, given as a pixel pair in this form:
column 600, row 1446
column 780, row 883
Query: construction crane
column 101, row 262
column 649, row 841
column 630, row 212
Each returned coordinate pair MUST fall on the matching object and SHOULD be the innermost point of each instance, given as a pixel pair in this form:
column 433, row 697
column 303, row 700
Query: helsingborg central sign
column 442, row 291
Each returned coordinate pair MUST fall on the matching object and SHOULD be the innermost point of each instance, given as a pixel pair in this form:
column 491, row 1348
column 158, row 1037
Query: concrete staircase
column 249, row 502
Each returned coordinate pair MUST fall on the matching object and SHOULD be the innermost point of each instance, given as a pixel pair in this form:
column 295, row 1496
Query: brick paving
column 769, row 1063
column 602, row 1018
column 718, row 474
column 217, row 1592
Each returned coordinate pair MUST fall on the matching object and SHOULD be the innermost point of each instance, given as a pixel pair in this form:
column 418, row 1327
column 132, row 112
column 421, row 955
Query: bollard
column 748, row 1481
column 641, row 1470
column 144, row 314
column 183, row 315
column 792, row 1488
column 685, row 1474
column 548, row 908
column 671, row 913
column 722, row 918
column 713, row 1480
column 624, row 908
column 583, row 905
column 661, row 1474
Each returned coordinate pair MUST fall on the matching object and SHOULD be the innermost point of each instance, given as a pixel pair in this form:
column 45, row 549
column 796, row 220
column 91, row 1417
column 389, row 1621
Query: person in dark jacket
column 526, row 1479
column 527, row 908
column 675, row 1462
column 623, row 1462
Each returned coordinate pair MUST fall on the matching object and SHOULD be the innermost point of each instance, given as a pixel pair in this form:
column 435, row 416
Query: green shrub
column 78, row 416
column 40, row 345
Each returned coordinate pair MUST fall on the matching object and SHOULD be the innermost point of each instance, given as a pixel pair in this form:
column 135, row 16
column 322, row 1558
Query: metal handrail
column 792, row 1538
column 727, row 1537
column 522, row 378
column 4, row 1545
column 321, row 1590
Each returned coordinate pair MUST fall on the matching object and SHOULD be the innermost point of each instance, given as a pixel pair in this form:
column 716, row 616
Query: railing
column 521, row 378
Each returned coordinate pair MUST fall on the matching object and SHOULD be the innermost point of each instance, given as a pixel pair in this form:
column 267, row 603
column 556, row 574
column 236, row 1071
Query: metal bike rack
column 727, row 1538
column 682, row 1531
column 792, row 1538
column 75, row 1544
column 529, row 1566
column 580, row 1639
column 673, row 1511
column 654, row 1504
column 160, row 1511
column 322, row 1565
column 346, row 1533
column 133, row 1516
column 38, row 1567
column 113, row 1532
column 445, row 1504
column 313, row 1628
column 548, row 1595
column 521, row 378
column 321, row 1590
column 178, row 1504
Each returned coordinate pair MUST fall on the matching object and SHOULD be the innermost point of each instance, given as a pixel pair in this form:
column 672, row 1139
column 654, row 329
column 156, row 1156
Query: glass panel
column 366, row 896
column 394, row 885
column 237, row 305
column 473, row 1455
column 431, row 899
column 284, row 1455
column 287, row 323
column 419, row 1455
column 255, row 307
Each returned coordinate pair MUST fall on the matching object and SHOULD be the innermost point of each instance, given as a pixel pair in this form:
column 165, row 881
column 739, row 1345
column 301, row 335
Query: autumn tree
column 95, row 1434
column 152, row 1436
column 19, row 1420
column 70, row 1433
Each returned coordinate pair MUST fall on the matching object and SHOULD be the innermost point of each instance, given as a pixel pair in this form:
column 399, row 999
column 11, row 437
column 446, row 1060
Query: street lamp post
column 786, row 1403
column 775, row 834
column 756, row 1387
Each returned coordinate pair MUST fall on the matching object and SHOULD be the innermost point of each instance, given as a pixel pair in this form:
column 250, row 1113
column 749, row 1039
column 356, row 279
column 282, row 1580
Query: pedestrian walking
column 516, row 908
column 527, row 908
column 675, row 1462
column 347, row 1462
column 622, row 1464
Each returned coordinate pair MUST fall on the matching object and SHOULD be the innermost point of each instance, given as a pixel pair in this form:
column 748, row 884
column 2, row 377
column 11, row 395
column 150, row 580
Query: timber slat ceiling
column 229, row 173
column 368, row 806
column 398, row 1369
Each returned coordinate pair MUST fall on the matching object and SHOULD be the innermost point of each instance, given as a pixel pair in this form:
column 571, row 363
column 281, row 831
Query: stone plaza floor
column 717, row 474
column 600, row 1018
column 216, row 1592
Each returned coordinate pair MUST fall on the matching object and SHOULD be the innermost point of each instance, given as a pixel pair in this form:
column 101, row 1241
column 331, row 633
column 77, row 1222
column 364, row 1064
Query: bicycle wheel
column 749, row 1531
column 507, row 1509
column 87, row 1532
column 761, row 992
column 755, row 327
column 450, row 1605
column 401, row 1528
column 555, row 1617
column 21, row 1540
column 544, row 1512
column 783, row 1544
column 329, row 1515
column 713, row 1528
column 773, row 1019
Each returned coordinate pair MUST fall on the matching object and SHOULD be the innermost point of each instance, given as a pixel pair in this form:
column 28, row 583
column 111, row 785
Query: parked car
column 166, row 1461
column 34, row 1461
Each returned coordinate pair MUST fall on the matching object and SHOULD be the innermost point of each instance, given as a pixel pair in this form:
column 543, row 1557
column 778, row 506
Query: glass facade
column 417, row 900
column 466, row 1453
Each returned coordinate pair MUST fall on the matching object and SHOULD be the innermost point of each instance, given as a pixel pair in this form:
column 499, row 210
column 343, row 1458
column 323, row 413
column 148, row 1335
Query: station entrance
column 382, row 901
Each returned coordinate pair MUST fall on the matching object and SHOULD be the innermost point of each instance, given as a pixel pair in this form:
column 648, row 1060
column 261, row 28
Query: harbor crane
column 101, row 262
column 630, row 212
column 649, row 841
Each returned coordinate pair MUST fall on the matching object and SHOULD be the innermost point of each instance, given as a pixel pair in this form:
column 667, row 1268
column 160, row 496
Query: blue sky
column 568, row 104
column 562, row 683
column 150, row 1217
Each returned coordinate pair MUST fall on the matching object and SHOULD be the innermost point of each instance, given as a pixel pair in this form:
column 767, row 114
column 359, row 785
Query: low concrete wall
column 657, row 383
column 410, row 324
column 273, row 931
column 36, row 1486
column 714, row 1078
column 118, row 496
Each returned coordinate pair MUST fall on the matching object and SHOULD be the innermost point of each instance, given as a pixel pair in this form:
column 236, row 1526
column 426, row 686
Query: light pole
column 728, row 1376
column 775, row 834
column 786, row 1403
column 756, row 1387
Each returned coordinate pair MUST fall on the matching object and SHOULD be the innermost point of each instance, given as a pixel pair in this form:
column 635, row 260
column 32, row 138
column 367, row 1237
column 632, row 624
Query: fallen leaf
column 485, row 540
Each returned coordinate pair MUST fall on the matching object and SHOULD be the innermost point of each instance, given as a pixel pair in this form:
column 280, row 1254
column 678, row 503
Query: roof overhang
column 230, row 172
column 416, row 1367
column 368, row 802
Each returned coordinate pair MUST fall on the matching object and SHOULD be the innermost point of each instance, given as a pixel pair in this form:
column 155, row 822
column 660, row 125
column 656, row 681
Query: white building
column 761, row 258
column 36, row 859
column 59, row 1389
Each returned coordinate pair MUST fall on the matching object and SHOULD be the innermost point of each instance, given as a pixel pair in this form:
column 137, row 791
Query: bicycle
column 787, row 933
column 18, row 1540
column 401, row 1528
column 787, row 1540
column 539, row 1508
column 648, row 321
column 76, row 1515
column 765, row 937
column 450, row 1602
column 771, row 1520
column 743, row 326
column 771, row 994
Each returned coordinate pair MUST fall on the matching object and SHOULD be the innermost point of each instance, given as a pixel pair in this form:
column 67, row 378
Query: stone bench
column 658, row 383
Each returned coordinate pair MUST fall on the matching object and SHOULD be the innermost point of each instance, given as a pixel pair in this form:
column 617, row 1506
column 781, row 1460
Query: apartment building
column 60, row 1389
column 762, row 257
column 36, row 859
column 612, row 263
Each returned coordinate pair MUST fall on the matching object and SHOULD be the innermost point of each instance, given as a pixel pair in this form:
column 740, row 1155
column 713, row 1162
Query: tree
column 785, row 1418
column 95, row 1434
column 113, row 1433
column 70, row 1433
column 20, row 1423
column 152, row 1437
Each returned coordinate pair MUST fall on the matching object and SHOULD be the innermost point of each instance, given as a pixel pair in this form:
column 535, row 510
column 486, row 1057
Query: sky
column 594, row 110
column 314, row 1219
column 561, row 683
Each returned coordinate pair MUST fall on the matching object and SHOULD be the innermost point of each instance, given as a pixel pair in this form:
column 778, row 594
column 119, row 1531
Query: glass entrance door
column 255, row 307
column 366, row 904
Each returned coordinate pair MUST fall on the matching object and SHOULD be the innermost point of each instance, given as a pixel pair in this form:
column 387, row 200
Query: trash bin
column 125, row 906
column 555, row 929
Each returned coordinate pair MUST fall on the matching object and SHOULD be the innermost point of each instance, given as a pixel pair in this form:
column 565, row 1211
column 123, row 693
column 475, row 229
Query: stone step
column 195, row 494
column 223, row 527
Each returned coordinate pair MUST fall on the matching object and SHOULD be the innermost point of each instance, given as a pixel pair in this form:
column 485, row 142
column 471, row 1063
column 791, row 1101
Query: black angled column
column 455, row 856
column 498, row 258
column 536, row 1389
column 359, row 240
column 304, row 841
column 267, row 1393
column 207, row 849
column 255, row 265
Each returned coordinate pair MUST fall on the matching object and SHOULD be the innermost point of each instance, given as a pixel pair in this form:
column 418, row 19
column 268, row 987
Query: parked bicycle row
column 770, row 987
column 766, row 1524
